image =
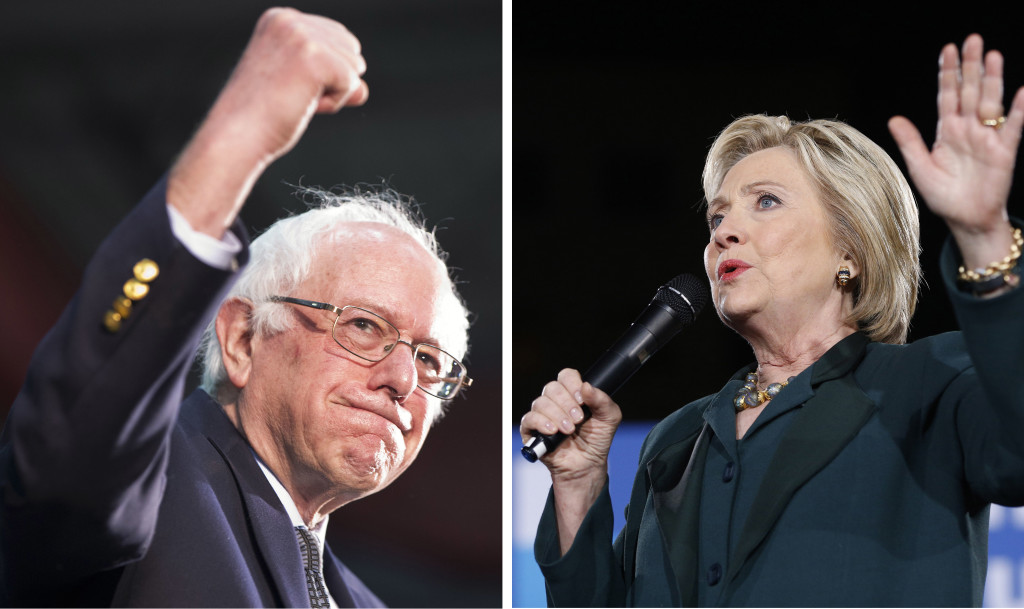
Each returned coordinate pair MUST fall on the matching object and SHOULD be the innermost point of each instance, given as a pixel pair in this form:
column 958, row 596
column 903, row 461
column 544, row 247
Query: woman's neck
column 782, row 356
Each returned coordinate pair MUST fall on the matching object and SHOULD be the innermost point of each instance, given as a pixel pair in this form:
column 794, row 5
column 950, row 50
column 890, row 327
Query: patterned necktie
column 309, row 547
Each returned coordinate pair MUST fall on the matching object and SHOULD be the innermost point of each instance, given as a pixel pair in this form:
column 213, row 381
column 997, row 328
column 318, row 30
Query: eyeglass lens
column 368, row 335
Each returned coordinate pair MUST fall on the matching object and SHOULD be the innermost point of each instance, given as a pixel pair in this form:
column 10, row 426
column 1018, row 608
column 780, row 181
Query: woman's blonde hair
column 871, row 211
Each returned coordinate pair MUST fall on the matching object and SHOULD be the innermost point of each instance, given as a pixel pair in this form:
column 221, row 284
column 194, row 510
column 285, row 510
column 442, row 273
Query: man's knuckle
column 275, row 18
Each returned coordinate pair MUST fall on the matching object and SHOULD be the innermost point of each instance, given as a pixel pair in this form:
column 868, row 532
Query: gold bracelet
column 1003, row 267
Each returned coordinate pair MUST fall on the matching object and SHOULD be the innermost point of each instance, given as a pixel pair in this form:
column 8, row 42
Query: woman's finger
column 971, row 73
column 949, row 82
column 536, row 421
column 990, row 105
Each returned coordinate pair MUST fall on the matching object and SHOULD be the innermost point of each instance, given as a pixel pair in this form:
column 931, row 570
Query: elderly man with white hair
column 329, row 357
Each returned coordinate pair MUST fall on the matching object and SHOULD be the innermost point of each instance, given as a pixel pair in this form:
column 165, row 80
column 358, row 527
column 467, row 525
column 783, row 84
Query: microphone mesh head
column 685, row 294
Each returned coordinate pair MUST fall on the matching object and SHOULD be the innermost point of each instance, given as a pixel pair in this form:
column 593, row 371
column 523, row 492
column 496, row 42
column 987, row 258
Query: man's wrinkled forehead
column 382, row 268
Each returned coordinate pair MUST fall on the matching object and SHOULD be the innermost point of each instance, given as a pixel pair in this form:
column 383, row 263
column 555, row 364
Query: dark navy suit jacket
column 115, row 492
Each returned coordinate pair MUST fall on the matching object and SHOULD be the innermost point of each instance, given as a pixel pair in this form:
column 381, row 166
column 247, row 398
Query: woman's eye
column 714, row 221
column 766, row 201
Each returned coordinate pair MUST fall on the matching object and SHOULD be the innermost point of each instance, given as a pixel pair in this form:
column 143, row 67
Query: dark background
column 96, row 99
column 617, row 106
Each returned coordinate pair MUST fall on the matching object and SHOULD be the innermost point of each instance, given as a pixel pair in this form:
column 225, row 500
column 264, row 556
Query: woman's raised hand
column 965, row 178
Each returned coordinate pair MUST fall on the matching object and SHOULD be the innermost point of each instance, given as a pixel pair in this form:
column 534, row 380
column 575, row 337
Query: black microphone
column 676, row 305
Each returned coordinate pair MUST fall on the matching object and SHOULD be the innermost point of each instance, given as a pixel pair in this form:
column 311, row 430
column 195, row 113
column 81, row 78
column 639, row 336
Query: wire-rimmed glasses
column 369, row 336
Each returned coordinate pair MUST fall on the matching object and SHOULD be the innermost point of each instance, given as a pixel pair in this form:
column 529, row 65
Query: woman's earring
column 843, row 276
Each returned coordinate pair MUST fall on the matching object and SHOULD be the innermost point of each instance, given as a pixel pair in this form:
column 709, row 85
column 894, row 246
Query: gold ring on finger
column 995, row 123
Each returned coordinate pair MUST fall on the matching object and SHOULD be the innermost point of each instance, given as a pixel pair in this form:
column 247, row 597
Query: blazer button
column 145, row 270
column 714, row 574
column 135, row 289
column 123, row 306
column 112, row 321
column 729, row 472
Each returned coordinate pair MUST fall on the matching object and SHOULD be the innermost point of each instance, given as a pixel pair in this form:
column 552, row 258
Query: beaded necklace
column 749, row 396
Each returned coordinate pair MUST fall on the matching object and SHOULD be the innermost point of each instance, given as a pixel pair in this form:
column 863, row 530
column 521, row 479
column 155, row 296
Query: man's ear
column 235, row 336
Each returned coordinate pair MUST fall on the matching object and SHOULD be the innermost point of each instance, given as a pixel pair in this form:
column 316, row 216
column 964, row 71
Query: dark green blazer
column 877, row 494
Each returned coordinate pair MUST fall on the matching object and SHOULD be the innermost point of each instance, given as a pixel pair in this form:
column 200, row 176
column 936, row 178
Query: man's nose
column 397, row 371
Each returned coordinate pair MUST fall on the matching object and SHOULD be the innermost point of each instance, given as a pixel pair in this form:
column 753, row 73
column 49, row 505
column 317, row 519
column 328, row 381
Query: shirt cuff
column 217, row 253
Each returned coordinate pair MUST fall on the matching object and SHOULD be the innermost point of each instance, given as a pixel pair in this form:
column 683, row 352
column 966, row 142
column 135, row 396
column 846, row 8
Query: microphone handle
column 616, row 366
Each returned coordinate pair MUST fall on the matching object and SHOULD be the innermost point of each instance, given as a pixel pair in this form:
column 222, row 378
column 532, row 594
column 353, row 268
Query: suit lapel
column 266, row 519
column 678, row 512
column 657, row 473
column 674, row 468
column 336, row 584
column 270, row 525
column 826, row 423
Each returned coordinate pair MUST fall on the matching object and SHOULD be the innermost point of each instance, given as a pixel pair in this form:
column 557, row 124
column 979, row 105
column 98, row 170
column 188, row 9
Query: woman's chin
column 737, row 312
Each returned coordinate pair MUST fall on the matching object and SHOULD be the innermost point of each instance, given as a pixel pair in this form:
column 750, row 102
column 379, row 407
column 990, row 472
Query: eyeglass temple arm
column 307, row 303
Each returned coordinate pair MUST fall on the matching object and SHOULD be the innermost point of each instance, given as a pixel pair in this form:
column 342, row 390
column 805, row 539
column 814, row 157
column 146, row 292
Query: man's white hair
column 282, row 257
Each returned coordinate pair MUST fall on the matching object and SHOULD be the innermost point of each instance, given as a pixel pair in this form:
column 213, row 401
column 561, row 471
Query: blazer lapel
column 336, row 583
column 678, row 511
column 268, row 523
column 657, row 473
column 674, row 468
column 828, row 421
column 270, row 526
